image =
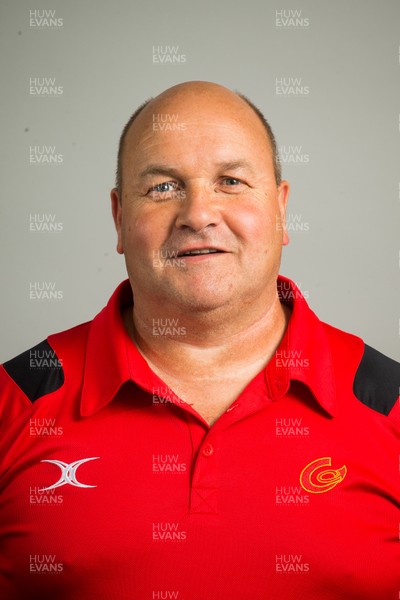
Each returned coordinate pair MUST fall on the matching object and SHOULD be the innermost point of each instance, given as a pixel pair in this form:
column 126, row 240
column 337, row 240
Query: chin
column 201, row 302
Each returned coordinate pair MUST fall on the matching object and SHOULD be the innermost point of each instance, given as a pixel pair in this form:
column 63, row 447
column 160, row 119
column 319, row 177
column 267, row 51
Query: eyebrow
column 233, row 165
column 158, row 169
column 155, row 169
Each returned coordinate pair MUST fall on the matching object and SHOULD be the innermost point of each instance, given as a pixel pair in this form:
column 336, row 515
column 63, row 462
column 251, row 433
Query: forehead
column 196, row 130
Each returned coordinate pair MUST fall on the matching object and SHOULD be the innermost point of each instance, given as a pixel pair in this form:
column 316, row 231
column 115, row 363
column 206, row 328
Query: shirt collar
column 304, row 353
column 113, row 359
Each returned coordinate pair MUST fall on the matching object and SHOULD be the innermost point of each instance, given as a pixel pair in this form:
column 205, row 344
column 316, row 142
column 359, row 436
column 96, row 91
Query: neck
column 194, row 345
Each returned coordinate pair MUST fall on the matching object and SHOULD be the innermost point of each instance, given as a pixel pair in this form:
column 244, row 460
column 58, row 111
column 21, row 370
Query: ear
column 283, row 196
column 116, row 208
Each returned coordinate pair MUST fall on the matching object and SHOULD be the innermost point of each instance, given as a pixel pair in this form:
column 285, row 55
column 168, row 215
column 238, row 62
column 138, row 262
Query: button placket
column 207, row 450
column 204, row 492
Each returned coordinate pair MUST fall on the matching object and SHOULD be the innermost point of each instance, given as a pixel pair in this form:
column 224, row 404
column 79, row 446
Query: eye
column 164, row 187
column 231, row 181
column 165, row 190
column 231, row 185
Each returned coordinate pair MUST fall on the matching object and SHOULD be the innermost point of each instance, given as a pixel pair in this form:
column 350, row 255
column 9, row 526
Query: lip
column 180, row 253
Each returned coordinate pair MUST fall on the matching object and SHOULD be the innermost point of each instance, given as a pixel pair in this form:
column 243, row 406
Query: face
column 201, row 220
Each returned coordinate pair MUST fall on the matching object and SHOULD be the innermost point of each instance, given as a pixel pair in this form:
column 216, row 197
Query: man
column 205, row 436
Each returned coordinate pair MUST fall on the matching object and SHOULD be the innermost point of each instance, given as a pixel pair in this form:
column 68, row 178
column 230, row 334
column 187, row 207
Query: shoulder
column 40, row 370
column 37, row 371
column 377, row 380
column 374, row 377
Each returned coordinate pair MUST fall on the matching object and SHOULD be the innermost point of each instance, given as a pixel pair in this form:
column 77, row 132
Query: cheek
column 137, row 234
column 258, row 223
column 143, row 231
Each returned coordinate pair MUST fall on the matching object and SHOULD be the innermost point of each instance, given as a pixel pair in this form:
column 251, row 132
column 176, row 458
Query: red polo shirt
column 112, row 487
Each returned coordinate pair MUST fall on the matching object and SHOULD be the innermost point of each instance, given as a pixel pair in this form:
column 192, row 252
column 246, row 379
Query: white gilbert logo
column 68, row 473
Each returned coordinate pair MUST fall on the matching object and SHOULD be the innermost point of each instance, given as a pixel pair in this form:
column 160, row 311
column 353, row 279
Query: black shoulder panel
column 37, row 371
column 377, row 381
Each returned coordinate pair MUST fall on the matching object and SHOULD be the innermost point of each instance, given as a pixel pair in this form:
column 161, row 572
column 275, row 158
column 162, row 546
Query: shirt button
column 208, row 450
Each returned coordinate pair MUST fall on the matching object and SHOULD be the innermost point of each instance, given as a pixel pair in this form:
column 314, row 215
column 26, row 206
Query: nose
column 198, row 209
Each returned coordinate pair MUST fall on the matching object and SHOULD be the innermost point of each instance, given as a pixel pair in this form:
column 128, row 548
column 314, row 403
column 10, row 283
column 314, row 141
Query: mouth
column 199, row 251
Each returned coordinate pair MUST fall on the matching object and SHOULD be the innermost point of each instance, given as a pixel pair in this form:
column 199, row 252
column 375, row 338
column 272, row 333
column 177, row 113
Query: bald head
column 198, row 97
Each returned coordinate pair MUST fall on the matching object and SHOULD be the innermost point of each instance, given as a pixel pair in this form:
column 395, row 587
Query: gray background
column 345, row 199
